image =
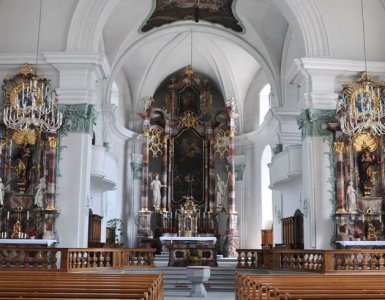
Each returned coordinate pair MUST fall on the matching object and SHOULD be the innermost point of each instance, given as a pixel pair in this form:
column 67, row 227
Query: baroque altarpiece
column 188, row 175
column 359, row 155
column 28, row 159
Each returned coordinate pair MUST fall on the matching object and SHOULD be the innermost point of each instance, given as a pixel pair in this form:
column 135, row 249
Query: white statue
column 155, row 186
column 220, row 191
column 351, row 197
column 2, row 192
column 40, row 193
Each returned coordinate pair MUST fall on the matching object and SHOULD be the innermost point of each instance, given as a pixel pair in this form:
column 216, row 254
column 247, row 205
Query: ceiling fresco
column 214, row 11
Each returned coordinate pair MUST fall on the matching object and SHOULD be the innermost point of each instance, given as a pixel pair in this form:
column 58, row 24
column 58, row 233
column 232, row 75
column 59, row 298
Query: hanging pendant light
column 30, row 102
column 360, row 105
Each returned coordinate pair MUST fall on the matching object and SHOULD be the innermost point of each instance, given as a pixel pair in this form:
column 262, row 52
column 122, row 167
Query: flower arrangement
column 205, row 230
column 169, row 229
column 193, row 257
column 32, row 233
column 357, row 234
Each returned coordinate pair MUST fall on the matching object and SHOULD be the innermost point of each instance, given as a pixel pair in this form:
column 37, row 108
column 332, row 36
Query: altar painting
column 188, row 168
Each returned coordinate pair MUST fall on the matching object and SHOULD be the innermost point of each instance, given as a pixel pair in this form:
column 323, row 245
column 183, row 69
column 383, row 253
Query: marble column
column 340, row 178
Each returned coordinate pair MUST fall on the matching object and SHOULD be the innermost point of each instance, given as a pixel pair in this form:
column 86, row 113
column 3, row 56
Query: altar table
column 361, row 244
column 180, row 246
column 28, row 242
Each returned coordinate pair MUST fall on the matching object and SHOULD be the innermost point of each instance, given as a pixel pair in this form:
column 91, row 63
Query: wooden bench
column 310, row 286
column 61, row 285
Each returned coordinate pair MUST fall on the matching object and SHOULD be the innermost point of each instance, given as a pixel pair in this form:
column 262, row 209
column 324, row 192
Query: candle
column 7, row 215
column 27, row 215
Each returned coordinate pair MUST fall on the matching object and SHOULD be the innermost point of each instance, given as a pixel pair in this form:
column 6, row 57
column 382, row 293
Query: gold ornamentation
column 25, row 137
column 52, row 142
column 3, row 142
column 189, row 120
column 339, row 147
column 155, row 137
column 26, row 69
column 221, row 142
column 364, row 140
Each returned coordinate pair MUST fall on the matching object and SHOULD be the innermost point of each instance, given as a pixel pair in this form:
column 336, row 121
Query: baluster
column 365, row 265
column 240, row 254
column 347, row 262
column 108, row 259
column 381, row 262
column 373, row 261
column 355, row 262
column 44, row 259
column 338, row 263
column 101, row 259
column 253, row 257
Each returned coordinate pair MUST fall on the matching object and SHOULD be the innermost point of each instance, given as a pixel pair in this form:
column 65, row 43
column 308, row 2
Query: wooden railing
column 320, row 261
column 74, row 259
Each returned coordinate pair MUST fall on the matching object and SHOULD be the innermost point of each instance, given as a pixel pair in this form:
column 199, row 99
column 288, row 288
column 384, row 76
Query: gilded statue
column 367, row 165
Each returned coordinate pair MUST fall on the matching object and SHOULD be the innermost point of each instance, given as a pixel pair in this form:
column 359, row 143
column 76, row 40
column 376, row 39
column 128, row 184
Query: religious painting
column 214, row 11
column 188, row 168
column 188, row 101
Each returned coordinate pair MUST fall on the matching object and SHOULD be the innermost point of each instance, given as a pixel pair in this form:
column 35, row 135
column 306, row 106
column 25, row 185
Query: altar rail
column 319, row 261
column 74, row 259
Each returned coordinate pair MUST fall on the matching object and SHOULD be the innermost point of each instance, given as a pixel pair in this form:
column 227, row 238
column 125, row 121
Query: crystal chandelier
column 30, row 103
column 360, row 106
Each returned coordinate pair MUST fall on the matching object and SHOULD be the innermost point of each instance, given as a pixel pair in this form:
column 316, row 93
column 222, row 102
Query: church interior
column 202, row 130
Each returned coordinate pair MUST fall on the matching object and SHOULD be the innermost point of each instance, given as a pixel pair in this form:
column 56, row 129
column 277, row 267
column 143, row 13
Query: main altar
column 188, row 166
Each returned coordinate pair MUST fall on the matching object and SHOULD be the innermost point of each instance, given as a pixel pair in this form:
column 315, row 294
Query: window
column 267, row 196
column 264, row 102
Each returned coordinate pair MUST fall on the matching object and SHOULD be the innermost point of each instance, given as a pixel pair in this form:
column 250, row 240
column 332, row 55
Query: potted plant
column 114, row 227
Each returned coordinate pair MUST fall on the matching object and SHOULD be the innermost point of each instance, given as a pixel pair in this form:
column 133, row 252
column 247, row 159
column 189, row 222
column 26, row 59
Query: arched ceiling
column 230, row 58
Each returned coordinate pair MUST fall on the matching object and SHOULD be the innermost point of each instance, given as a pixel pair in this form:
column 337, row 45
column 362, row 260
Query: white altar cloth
column 361, row 243
column 170, row 239
column 49, row 243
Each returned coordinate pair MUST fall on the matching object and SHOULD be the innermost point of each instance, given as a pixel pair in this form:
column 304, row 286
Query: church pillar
column 232, row 233
column 212, row 203
column 51, row 164
column 163, row 175
column 340, row 180
column 75, row 154
column 318, row 177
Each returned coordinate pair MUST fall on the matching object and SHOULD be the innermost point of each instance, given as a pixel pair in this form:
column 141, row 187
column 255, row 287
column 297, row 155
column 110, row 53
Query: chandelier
column 30, row 103
column 360, row 106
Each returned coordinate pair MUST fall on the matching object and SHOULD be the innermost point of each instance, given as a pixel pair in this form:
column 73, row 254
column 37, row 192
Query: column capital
column 312, row 122
column 78, row 118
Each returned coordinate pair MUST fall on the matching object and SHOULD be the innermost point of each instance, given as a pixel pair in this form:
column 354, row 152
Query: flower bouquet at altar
column 193, row 257
column 169, row 231
column 32, row 234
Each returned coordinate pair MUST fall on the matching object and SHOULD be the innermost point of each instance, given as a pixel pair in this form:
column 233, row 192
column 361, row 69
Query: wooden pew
column 310, row 286
column 61, row 285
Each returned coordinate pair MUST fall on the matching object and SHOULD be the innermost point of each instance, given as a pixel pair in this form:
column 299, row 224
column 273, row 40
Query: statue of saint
column 351, row 197
column 220, row 191
column 366, row 168
column 155, row 186
column 2, row 192
column 40, row 193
